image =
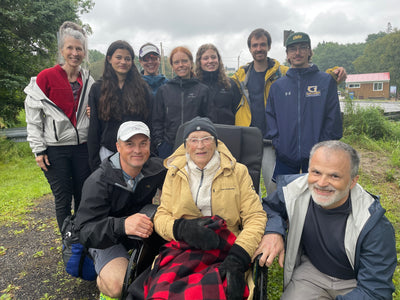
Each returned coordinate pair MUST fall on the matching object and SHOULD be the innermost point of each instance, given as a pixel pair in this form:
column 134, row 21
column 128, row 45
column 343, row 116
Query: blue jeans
column 282, row 168
column 68, row 170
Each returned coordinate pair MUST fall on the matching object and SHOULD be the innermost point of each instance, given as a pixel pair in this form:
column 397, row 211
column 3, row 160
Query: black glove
column 195, row 233
column 233, row 268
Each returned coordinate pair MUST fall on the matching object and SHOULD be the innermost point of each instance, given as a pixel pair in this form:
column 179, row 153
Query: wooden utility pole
column 239, row 59
column 286, row 34
column 162, row 59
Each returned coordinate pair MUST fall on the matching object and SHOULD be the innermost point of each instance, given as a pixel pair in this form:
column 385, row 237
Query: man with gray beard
column 339, row 244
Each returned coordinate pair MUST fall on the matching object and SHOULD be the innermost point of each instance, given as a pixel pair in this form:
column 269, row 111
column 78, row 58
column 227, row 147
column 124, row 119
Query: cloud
column 334, row 26
column 227, row 23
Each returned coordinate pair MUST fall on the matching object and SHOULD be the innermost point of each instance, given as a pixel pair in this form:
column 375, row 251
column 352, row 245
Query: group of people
column 102, row 144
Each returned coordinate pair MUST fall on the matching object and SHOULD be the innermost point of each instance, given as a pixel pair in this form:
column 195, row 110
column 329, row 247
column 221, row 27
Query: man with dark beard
column 339, row 244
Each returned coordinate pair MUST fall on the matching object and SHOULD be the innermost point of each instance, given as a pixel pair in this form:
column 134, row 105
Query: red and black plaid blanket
column 182, row 272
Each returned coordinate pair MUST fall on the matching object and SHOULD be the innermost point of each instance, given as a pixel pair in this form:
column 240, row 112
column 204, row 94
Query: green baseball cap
column 298, row 37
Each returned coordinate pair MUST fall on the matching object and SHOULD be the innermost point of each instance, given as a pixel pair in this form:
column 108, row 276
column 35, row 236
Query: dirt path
column 30, row 262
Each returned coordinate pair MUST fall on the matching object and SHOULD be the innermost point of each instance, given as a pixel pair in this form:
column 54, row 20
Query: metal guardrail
column 16, row 134
column 19, row 134
column 393, row 115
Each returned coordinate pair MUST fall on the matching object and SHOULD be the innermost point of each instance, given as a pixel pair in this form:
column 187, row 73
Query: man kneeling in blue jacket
column 339, row 243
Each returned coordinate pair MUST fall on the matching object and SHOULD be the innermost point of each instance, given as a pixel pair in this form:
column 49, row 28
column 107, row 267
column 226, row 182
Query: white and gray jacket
column 369, row 237
column 48, row 125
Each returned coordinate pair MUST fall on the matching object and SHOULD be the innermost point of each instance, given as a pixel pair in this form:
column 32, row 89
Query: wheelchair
column 246, row 145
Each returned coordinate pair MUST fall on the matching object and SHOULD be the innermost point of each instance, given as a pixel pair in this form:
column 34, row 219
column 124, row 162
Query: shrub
column 369, row 121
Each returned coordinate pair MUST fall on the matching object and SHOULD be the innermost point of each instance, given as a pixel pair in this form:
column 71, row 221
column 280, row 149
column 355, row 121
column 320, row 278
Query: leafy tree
column 329, row 54
column 374, row 36
column 96, row 63
column 96, row 69
column 28, row 44
column 96, row 55
column 382, row 55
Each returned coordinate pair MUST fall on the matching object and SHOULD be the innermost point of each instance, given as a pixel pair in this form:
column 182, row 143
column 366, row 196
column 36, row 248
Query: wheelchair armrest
column 257, row 268
column 260, row 278
column 267, row 142
column 148, row 210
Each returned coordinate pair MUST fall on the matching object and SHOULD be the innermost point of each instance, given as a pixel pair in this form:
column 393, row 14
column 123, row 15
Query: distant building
column 369, row 86
column 229, row 71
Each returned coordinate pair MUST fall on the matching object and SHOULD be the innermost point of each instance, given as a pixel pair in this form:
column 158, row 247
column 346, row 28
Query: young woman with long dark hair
column 120, row 95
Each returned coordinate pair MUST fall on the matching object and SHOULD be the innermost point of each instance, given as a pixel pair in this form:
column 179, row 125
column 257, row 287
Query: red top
column 55, row 85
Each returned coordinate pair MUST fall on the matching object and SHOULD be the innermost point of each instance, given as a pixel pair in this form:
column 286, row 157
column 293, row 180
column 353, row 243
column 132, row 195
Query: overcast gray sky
column 227, row 23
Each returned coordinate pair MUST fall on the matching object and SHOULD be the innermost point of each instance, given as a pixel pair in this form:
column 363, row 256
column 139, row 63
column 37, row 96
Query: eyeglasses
column 301, row 48
column 207, row 140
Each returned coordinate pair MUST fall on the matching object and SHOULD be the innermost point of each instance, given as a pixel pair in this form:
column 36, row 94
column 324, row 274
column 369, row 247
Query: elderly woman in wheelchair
column 212, row 219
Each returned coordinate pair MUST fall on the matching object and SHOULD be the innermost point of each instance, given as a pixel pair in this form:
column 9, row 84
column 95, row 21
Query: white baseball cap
column 131, row 128
column 148, row 48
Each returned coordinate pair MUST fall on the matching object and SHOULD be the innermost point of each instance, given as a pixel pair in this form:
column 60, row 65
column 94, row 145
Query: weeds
column 10, row 289
column 389, row 175
column 369, row 121
column 38, row 254
column 47, row 297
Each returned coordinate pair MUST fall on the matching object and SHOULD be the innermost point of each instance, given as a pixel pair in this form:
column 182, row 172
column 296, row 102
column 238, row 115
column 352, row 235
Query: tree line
column 379, row 53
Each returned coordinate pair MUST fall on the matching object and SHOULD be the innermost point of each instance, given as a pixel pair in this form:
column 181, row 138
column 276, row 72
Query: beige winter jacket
column 232, row 197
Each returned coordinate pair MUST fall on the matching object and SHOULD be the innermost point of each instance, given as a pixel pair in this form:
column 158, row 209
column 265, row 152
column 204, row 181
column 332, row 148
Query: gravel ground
column 30, row 259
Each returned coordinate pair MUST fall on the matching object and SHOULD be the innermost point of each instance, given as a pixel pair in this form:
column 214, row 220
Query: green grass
column 21, row 122
column 21, row 181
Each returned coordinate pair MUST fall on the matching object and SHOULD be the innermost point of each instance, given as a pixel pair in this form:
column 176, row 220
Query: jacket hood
column 274, row 72
column 294, row 71
column 114, row 175
column 33, row 90
column 177, row 160
column 183, row 82
column 154, row 78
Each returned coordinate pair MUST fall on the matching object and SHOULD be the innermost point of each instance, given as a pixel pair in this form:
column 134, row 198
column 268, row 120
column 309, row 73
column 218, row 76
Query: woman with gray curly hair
column 57, row 124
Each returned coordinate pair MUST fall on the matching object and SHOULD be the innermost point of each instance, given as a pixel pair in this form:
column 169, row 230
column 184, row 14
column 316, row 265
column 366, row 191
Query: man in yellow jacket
column 254, row 81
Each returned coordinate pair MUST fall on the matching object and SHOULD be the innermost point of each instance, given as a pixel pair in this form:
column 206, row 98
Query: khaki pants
column 309, row 283
column 268, row 166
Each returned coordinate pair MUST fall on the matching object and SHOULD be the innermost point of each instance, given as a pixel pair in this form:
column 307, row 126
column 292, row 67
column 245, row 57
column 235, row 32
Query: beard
column 264, row 57
column 327, row 200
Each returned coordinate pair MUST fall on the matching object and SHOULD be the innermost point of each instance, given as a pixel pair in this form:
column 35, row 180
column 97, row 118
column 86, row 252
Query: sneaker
column 104, row 297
